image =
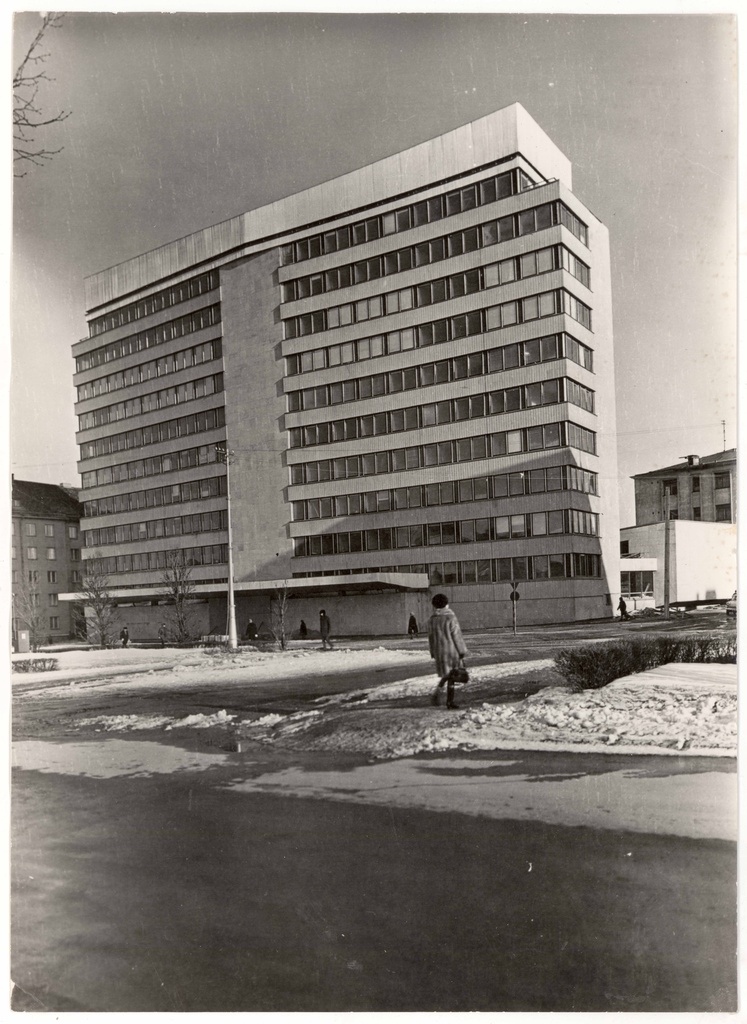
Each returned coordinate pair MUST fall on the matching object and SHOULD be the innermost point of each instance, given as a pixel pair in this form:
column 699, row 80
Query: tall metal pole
column 666, row 552
column 224, row 455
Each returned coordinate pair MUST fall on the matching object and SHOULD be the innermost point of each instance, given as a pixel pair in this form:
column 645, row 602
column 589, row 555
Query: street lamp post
column 224, row 455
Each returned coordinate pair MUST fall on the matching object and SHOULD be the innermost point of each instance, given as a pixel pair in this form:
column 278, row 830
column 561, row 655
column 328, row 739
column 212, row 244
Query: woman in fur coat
column 446, row 645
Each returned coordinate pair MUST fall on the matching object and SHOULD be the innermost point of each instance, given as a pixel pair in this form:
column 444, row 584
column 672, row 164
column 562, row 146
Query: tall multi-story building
column 412, row 365
column 46, row 559
column 702, row 489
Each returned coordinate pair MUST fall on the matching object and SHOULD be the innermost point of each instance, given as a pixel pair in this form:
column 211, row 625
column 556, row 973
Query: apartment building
column 412, row 367
column 702, row 489
column 45, row 560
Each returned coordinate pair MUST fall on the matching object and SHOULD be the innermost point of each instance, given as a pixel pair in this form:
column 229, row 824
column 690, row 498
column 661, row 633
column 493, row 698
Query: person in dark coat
column 446, row 645
column 412, row 627
column 124, row 636
column 325, row 628
column 302, row 630
column 251, row 630
column 623, row 609
column 162, row 634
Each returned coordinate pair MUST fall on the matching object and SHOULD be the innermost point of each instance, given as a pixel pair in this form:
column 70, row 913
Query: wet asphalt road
column 174, row 891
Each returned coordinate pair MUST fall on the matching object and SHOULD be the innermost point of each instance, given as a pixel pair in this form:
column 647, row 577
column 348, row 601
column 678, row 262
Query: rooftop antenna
column 723, row 433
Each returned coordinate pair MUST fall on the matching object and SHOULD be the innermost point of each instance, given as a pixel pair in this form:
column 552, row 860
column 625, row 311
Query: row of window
column 35, row 576
column 141, row 561
column 426, row 211
column 50, row 529
column 156, row 465
column 449, row 410
column 449, row 492
column 434, row 250
column 156, row 433
column 442, row 453
column 637, row 584
column 721, row 481
column 149, row 338
column 506, row 314
column 188, row 391
column 475, row 364
column 180, row 526
column 468, row 531
column 576, row 565
column 32, row 553
column 161, row 367
column 172, row 296
column 156, row 497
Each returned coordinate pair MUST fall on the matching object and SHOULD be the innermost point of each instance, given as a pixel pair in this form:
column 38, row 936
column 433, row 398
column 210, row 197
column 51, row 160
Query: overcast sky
column 179, row 121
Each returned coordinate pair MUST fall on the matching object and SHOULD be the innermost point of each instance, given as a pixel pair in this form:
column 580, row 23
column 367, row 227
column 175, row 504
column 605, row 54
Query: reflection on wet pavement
column 110, row 758
column 698, row 806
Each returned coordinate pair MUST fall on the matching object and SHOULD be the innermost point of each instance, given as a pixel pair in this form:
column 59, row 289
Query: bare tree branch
column 100, row 622
column 28, row 118
column 178, row 587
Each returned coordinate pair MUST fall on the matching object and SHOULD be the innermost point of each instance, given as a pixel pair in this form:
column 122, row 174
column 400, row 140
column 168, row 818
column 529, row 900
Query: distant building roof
column 704, row 462
column 45, row 501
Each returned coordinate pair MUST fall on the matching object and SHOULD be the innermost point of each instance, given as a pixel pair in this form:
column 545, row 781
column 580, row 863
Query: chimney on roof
column 693, row 460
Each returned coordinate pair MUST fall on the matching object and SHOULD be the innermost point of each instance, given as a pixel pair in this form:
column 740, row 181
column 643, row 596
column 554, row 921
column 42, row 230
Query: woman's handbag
column 459, row 674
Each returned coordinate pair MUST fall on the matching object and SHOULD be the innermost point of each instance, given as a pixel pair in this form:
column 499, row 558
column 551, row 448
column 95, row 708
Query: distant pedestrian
column 623, row 609
column 124, row 636
column 162, row 634
column 251, row 630
column 325, row 628
column 412, row 627
column 302, row 630
column 446, row 646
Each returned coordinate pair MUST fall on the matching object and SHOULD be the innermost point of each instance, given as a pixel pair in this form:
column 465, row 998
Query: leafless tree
column 100, row 623
column 279, row 612
column 28, row 612
column 178, row 587
column 28, row 117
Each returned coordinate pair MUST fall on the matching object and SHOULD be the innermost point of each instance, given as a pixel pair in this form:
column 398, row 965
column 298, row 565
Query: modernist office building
column 413, row 366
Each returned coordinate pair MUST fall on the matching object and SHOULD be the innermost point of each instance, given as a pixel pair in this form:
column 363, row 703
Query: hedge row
column 35, row 665
column 591, row 667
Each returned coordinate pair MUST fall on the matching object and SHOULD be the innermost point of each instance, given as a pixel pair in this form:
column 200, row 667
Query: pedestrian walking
column 412, row 627
column 303, row 631
column 251, row 630
column 446, row 646
column 623, row 609
column 162, row 634
column 325, row 628
column 124, row 636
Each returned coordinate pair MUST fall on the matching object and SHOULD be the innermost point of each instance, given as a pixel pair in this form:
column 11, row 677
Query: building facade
column 412, row 366
column 46, row 560
column 701, row 489
column 683, row 548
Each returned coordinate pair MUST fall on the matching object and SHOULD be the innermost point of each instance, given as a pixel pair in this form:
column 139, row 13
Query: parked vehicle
column 731, row 606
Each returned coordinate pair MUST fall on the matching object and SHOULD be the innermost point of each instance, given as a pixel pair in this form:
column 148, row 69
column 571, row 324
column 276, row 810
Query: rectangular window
column 721, row 481
column 31, row 553
column 723, row 513
column 54, row 622
column 48, row 530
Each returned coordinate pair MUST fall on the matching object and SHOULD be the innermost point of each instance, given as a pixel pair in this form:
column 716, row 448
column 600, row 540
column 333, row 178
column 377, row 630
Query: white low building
column 702, row 563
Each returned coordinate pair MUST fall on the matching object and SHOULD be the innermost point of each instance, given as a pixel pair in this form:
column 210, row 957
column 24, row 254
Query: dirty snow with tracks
column 676, row 709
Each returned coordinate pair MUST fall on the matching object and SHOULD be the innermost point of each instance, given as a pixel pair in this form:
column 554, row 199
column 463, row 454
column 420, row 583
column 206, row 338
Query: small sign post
column 514, row 597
